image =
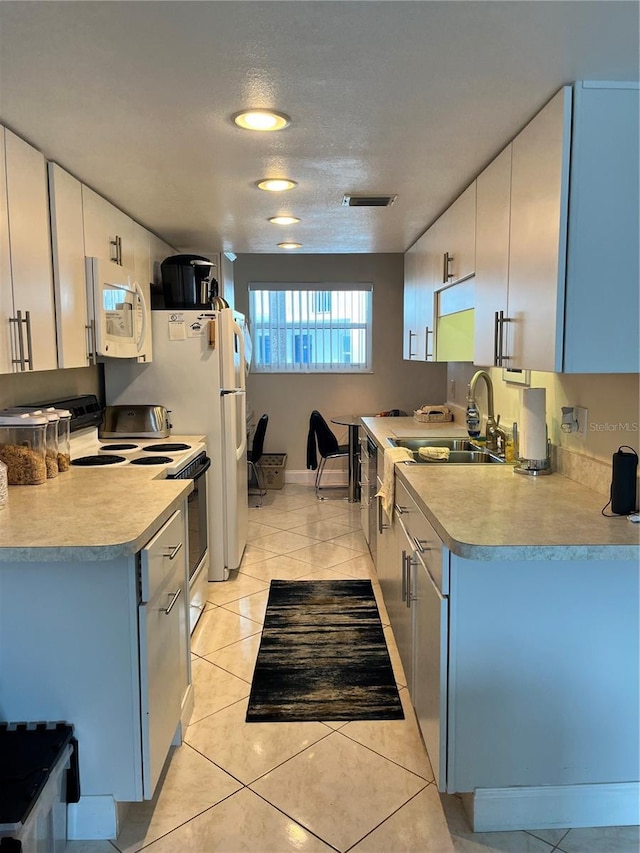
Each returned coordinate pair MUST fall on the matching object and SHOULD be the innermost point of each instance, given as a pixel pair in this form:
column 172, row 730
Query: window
column 309, row 328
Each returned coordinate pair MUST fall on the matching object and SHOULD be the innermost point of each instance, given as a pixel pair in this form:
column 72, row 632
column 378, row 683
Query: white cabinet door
column 67, row 237
column 108, row 232
column 538, row 236
column 163, row 644
column 409, row 351
column 6, row 286
column 430, row 642
column 30, row 251
column 456, row 244
column 493, row 210
column 601, row 314
column 142, row 274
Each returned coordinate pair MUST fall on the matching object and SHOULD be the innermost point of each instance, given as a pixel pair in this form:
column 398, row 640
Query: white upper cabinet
column 601, row 300
column 567, row 220
column 108, row 232
column 75, row 348
column 419, row 341
column 28, row 336
column 493, row 203
column 537, row 250
column 456, row 239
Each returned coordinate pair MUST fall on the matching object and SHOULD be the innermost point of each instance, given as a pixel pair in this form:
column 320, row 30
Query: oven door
column 198, row 541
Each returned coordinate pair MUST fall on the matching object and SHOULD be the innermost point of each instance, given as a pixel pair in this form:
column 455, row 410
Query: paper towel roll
column 533, row 424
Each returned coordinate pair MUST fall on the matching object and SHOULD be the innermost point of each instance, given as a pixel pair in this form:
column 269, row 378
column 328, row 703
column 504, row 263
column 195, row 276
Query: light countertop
column 88, row 513
column 489, row 512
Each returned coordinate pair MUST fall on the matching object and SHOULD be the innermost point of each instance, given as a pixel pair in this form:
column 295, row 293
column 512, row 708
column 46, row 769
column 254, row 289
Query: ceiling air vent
column 368, row 200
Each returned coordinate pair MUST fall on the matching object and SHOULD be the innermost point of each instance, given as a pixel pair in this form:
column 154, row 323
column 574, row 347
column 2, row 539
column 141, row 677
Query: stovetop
column 165, row 456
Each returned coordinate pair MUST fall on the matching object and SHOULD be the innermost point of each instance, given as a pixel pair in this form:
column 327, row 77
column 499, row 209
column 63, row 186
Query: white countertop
column 489, row 512
column 89, row 513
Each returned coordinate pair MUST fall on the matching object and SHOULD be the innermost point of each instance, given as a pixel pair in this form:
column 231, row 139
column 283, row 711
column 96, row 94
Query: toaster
column 147, row 421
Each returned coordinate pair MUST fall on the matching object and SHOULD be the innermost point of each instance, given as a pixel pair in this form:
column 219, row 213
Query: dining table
column 353, row 422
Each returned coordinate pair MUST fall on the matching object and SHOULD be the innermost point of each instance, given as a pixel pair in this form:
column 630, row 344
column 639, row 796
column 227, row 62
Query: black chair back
column 258, row 439
column 327, row 442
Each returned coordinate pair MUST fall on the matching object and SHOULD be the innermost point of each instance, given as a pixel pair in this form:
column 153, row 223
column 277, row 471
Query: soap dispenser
column 473, row 416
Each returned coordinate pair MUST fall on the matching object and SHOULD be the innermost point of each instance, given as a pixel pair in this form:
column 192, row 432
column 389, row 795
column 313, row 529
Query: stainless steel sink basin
column 462, row 451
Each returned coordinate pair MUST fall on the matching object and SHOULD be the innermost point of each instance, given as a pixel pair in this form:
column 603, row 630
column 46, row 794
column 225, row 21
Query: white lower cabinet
column 523, row 673
column 103, row 645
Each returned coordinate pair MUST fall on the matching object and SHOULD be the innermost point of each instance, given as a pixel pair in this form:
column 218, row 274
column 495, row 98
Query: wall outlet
column 582, row 417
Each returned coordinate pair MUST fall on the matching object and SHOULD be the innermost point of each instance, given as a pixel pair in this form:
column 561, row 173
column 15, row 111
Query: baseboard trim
column 308, row 478
column 553, row 807
column 92, row 818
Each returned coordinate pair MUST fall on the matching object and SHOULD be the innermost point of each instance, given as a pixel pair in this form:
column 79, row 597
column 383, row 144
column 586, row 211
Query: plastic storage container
column 51, row 440
column 64, row 433
column 23, row 448
column 272, row 466
column 38, row 777
column 4, row 485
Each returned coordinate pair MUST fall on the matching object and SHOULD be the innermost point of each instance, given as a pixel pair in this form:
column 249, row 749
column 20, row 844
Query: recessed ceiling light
column 284, row 220
column 276, row 185
column 289, row 245
column 261, row 120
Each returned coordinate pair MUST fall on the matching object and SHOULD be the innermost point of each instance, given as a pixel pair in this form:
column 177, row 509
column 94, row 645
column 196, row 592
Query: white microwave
column 117, row 310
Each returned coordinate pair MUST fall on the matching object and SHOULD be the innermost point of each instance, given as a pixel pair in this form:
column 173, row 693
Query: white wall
column 289, row 399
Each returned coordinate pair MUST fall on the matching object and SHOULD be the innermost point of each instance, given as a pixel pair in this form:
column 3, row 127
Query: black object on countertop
column 29, row 753
column 623, row 481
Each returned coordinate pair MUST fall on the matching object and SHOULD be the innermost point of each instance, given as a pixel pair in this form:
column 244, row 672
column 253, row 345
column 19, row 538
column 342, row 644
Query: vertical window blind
column 311, row 328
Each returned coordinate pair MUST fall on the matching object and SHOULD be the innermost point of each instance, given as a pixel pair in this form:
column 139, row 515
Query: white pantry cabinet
column 564, row 218
column 27, row 321
column 103, row 644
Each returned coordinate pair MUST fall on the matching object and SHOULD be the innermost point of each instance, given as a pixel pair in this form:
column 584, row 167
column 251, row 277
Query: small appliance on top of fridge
column 198, row 374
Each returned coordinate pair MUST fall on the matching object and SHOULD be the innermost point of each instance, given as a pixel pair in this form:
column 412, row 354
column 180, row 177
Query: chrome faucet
column 496, row 437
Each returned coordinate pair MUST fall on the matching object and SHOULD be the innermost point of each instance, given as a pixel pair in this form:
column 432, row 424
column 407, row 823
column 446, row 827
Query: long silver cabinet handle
column 408, row 581
column 18, row 341
column 427, row 354
column 91, row 342
column 176, row 595
column 381, row 525
column 401, row 510
column 412, row 335
column 113, row 250
column 173, row 551
column 404, row 575
column 29, row 358
column 496, row 348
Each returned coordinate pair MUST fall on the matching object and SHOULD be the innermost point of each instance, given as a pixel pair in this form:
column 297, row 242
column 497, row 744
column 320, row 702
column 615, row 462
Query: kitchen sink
column 462, row 450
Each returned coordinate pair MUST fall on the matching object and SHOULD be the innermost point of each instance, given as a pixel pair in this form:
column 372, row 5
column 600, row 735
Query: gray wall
column 17, row 389
column 289, row 399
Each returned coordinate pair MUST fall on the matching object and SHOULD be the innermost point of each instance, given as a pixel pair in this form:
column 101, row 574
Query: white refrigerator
column 198, row 372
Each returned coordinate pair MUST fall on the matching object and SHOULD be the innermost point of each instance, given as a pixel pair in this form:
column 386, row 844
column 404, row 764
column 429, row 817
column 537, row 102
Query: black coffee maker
column 188, row 282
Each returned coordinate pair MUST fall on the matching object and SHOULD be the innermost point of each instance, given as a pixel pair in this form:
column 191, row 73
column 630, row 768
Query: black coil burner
column 152, row 460
column 102, row 459
column 166, row 448
column 119, row 447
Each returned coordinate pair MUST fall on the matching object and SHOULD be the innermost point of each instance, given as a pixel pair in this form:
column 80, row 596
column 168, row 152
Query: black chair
column 322, row 440
column 255, row 454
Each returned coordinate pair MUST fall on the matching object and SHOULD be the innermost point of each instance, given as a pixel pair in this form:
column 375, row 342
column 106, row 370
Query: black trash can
column 38, row 777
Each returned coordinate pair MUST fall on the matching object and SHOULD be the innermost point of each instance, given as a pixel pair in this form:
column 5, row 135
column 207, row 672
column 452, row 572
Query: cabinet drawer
column 157, row 558
column 425, row 540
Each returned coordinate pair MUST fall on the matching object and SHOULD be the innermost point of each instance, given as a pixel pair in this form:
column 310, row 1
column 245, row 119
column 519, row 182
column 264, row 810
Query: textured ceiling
column 412, row 98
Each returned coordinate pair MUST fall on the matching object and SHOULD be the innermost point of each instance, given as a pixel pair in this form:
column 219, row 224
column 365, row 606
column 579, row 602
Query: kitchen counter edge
column 528, row 518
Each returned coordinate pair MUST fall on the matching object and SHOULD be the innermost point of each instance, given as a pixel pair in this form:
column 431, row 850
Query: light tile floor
column 362, row 787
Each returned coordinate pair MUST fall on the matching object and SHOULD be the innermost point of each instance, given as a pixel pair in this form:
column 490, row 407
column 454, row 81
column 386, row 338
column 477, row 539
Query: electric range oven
column 172, row 456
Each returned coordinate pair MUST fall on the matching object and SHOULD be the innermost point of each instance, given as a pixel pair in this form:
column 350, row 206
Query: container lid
column 63, row 414
column 49, row 414
column 20, row 419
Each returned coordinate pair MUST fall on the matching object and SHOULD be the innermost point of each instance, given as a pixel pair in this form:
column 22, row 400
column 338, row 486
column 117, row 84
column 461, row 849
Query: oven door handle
column 206, row 464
